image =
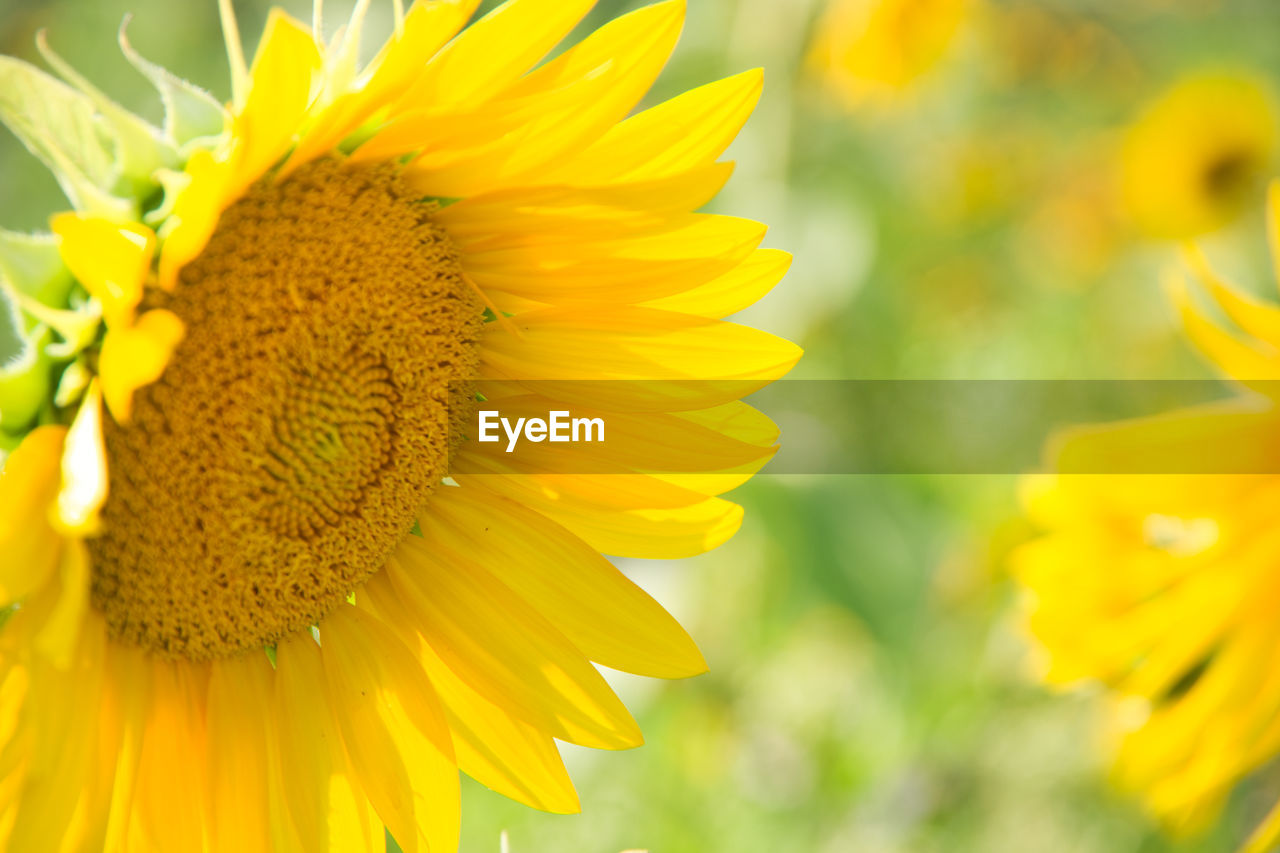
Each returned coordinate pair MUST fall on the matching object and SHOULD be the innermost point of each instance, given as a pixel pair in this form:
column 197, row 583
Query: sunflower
column 872, row 52
column 1163, row 587
column 1195, row 156
column 262, row 592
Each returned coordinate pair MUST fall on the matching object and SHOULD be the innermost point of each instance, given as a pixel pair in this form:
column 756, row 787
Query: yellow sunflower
column 262, row 592
column 1196, row 155
column 1164, row 586
column 872, row 52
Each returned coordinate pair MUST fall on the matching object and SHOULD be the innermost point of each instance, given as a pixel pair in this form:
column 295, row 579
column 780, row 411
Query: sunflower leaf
column 61, row 127
column 190, row 113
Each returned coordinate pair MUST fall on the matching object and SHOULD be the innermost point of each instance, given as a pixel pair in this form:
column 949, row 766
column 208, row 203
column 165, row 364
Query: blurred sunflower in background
column 873, row 52
column 1192, row 159
column 1163, row 587
column 260, row 591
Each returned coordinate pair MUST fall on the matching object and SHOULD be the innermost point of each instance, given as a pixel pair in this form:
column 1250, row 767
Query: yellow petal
column 609, row 618
column 1237, row 359
column 512, row 217
column 239, row 711
column 327, row 809
column 494, row 51
column 627, row 515
column 62, row 621
column 1257, row 319
column 29, row 485
column 678, row 135
column 629, row 52
column 63, row 748
column 84, row 468
column 686, row 362
column 426, row 29
column 124, row 714
column 279, row 96
column 195, row 214
column 168, row 800
column 394, row 730
column 737, row 289
column 498, row 751
column 136, row 356
column 682, row 253
column 613, row 67
column 507, row 651
column 1220, row 438
column 111, row 260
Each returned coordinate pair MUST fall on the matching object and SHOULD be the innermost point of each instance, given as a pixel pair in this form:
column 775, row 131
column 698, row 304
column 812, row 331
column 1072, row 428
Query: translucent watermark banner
column 671, row 427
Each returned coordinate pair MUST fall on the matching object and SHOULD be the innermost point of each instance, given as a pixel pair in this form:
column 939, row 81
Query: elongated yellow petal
column 514, row 217
column 630, row 50
column 123, row 717
column 1222, row 438
column 394, row 729
column 678, row 135
column 494, row 51
column 686, row 252
column 447, row 135
column 195, row 214
column 1237, row 359
column 507, row 651
column 64, row 741
column 84, row 468
column 279, row 96
column 111, row 260
column 28, row 488
column 503, row 753
column 136, row 356
column 327, row 809
column 166, row 814
column 59, row 632
column 619, row 62
column 684, row 362
column 610, row 619
column 737, row 289
column 426, row 29
column 240, row 692
column 627, row 515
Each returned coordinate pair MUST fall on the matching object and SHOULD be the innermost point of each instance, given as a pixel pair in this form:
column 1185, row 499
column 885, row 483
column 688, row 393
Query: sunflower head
column 1194, row 158
column 1161, row 586
column 244, row 515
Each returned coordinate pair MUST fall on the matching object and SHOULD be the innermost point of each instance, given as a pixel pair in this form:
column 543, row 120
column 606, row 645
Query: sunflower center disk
column 301, row 423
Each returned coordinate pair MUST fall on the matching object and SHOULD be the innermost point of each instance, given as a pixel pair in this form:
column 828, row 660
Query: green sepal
column 192, row 117
column 33, row 266
column 24, row 380
column 62, row 128
column 141, row 149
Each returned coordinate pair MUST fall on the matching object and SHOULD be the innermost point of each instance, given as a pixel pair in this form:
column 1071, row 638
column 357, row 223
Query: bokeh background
column 869, row 687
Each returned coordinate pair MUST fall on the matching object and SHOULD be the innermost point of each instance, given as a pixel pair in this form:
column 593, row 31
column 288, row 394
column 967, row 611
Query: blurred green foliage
column 868, row 689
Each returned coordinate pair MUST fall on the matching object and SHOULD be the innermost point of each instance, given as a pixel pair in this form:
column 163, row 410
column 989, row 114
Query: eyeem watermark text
column 558, row 426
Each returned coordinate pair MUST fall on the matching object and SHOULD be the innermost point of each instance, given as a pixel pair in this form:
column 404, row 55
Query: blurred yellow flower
column 1164, row 586
column 874, row 51
column 1189, row 162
